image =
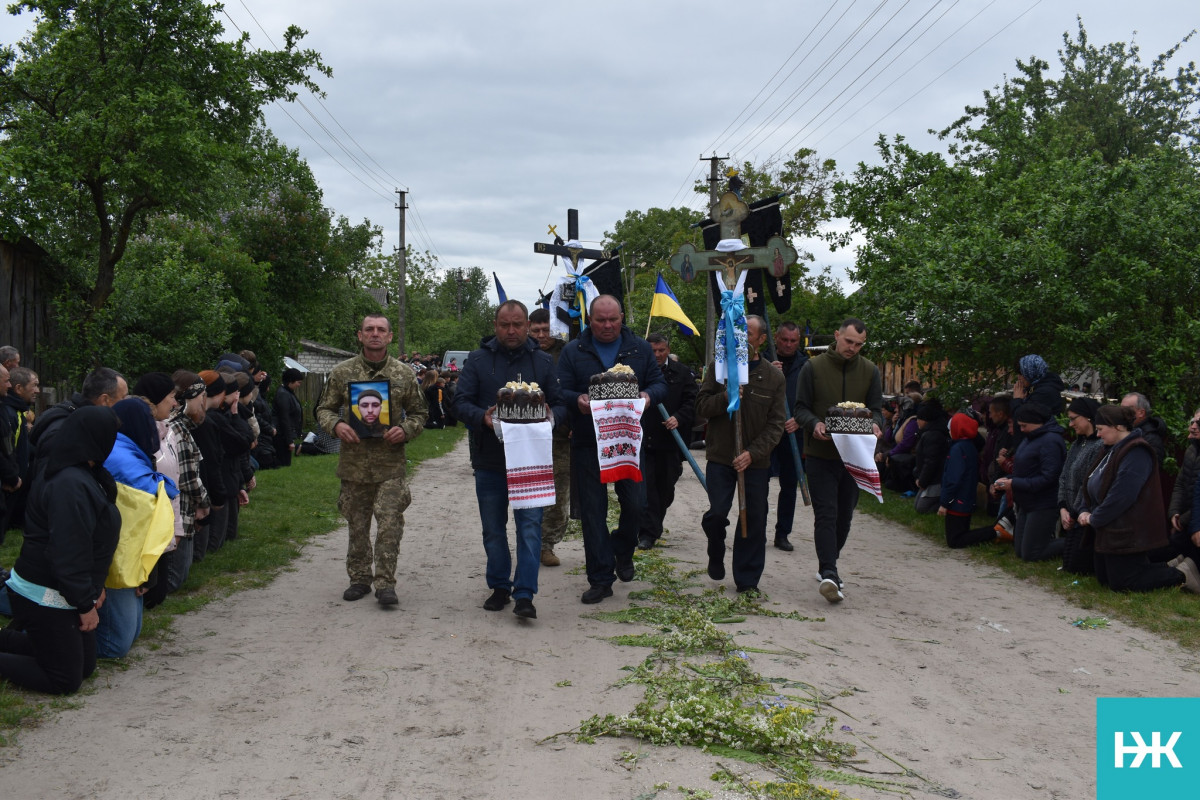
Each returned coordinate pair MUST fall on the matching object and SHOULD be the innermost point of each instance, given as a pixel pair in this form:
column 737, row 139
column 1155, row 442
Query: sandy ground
column 970, row 678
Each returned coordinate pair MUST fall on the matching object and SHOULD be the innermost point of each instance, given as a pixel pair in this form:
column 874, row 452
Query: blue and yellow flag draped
column 147, row 519
column 666, row 305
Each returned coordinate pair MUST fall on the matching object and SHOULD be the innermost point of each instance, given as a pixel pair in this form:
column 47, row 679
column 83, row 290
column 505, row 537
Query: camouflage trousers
column 554, row 520
column 385, row 502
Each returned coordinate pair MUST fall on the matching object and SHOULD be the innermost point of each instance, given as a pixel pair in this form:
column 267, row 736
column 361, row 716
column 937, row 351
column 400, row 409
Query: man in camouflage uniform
column 374, row 483
column 554, row 521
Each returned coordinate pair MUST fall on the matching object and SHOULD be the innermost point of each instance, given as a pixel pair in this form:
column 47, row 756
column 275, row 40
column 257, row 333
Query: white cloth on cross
column 566, row 291
column 722, row 357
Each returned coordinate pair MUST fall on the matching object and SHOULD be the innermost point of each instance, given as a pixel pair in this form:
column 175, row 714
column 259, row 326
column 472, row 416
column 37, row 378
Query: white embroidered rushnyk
column 529, row 458
column 618, row 425
column 858, row 454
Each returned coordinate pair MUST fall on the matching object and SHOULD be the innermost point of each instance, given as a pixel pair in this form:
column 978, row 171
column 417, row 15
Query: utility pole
column 458, row 283
column 714, row 194
column 402, row 293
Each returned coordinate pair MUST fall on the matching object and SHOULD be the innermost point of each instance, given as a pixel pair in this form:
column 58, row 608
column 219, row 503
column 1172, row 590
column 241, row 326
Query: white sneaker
column 831, row 591
column 1175, row 562
column 841, row 583
column 1191, row 575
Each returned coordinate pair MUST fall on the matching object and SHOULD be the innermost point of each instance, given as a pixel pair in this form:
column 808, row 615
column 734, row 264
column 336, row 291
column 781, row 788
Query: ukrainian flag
column 666, row 305
column 147, row 518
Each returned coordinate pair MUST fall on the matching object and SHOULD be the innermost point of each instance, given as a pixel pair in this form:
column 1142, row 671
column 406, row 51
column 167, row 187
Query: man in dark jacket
column 603, row 344
column 508, row 356
column 10, row 472
column 554, row 521
column 289, row 417
column 933, row 443
column 791, row 359
column 838, row 375
column 762, row 421
column 662, row 460
column 1153, row 429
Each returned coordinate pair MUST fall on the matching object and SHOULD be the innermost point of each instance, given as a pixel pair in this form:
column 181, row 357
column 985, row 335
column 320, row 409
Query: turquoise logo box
column 1147, row 747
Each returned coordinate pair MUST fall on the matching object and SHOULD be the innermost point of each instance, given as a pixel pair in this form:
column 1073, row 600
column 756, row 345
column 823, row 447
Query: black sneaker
column 387, row 597
column 625, row 570
column 595, row 594
column 645, row 542
column 497, row 601
column 524, row 608
column 357, row 591
column 831, row 588
column 783, row 544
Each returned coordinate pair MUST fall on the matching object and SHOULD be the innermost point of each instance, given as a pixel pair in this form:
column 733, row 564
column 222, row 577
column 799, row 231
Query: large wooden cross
column 776, row 255
column 571, row 254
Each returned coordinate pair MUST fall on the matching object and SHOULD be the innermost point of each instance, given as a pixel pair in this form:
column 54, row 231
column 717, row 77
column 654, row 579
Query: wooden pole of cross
column 777, row 255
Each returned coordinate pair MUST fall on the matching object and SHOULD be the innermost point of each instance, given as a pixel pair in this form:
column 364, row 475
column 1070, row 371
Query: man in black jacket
column 791, row 358
column 508, row 356
column 605, row 343
column 1153, row 429
column 662, row 460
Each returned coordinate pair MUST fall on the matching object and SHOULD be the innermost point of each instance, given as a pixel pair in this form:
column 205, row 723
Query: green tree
column 1062, row 222
column 112, row 109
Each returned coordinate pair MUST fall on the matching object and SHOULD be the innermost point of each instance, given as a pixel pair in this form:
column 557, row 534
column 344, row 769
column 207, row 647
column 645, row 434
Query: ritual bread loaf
column 517, row 401
column 618, row 383
column 849, row 418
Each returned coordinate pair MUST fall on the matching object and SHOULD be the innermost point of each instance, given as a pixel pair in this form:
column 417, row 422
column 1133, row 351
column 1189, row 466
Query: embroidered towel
column 858, row 454
column 528, row 456
column 618, row 425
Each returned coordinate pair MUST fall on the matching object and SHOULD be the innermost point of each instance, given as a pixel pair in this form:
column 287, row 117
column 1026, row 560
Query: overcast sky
column 498, row 117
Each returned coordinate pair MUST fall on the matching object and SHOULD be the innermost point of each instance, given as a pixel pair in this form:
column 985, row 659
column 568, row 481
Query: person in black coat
column 662, row 460
column 1037, row 466
column 933, row 443
column 57, row 585
column 289, row 416
column 1036, row 384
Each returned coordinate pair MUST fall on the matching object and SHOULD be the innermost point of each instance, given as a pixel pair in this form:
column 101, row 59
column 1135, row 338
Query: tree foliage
column 1062, row 221
column 112, row 109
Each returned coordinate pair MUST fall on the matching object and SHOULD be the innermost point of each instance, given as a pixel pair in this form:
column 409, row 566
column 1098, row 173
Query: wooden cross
column 572, row 254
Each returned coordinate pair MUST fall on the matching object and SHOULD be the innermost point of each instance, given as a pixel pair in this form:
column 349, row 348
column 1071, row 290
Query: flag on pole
column 499, row 289
column 666, row 305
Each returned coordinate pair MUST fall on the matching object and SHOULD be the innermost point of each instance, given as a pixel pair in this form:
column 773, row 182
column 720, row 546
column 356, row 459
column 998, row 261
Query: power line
column 938, row 78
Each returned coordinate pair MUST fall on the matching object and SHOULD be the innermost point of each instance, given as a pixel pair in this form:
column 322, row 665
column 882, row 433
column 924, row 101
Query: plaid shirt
column 192, row 494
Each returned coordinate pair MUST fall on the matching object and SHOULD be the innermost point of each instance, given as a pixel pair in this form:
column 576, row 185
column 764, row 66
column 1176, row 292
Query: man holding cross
column 604, row 343
column 762, row 421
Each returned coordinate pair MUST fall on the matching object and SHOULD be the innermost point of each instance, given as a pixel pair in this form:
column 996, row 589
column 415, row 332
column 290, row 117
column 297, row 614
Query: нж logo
column 1139, row 750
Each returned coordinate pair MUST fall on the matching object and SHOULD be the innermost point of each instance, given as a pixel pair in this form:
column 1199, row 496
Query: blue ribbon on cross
column 733, row 308
column 581, row 281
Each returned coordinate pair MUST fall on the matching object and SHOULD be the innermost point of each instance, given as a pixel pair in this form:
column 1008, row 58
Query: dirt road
column 970, row 678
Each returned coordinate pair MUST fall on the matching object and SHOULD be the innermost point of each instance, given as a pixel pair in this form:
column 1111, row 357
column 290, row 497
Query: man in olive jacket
column 838, row 375
column 372, row 471
column 762, row 427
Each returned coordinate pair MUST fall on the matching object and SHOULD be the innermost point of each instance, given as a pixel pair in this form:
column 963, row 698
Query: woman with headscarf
column 1037, row 466
column 1077, row 553
column 57, row 584
column 147, row 526
column 1036, row 384
column 1124, row 505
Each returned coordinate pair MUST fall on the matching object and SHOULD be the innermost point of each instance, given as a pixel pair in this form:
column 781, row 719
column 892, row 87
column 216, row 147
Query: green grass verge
column 1169, row 613
column 289, row 507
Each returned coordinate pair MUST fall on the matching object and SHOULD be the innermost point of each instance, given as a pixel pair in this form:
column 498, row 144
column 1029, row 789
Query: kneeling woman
column 57, row 584
column 1123, row 504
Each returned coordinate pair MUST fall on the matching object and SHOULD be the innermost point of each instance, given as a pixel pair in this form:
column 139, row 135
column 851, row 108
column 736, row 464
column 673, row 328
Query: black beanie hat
column 1084, row 407
column 154, row 386
column 1033, row 412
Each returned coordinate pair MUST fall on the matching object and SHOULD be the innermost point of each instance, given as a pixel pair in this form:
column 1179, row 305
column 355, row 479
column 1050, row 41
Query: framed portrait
column 369, row 413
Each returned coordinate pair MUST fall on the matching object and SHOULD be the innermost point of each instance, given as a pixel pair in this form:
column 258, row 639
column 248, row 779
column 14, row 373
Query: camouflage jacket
column 373, row 460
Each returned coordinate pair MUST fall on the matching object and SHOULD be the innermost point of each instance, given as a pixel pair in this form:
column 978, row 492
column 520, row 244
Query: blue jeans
column 120, row 623
column 178, row 564
column 491, row 490
column 602, row 550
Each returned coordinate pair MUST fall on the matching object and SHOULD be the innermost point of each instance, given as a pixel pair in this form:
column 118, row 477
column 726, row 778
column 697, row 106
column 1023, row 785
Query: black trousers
column 1134, row 573
column 661, row 469
column 750, row 553
column 959, row 532
column 44, row 649
column 834, row 498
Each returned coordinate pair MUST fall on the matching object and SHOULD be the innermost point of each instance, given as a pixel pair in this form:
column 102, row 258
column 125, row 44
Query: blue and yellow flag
column 665, row 305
